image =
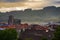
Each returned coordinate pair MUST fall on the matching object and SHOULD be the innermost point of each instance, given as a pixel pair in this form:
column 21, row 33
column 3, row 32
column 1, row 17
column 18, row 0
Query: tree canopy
column 57, row 34
column 8, row 34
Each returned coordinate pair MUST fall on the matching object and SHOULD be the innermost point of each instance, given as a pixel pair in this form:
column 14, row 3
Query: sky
column 8, row 5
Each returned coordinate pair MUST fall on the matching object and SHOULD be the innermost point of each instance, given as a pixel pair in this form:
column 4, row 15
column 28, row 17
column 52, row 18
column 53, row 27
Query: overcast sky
column 23, row 4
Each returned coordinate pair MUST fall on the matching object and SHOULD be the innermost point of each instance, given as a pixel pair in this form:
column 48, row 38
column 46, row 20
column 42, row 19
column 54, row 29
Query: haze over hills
column 47, row 14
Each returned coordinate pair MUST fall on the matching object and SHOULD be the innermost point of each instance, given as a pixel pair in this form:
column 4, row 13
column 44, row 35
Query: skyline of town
column 29, row 19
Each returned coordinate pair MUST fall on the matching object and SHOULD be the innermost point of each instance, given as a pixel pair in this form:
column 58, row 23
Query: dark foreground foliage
column 8, row 34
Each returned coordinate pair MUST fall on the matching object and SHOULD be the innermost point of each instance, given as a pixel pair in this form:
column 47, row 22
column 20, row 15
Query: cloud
column 10, row 0
column 57, row 2
column 27, row 3
column 34, row 4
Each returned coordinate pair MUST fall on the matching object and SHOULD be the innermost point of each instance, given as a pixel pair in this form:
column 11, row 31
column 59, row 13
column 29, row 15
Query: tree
column 8, row 34
column 57, row 34
column 43, row 38
column 28, row 39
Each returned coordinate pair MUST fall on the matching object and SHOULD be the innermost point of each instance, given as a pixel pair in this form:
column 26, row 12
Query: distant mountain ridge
column 50, row 13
